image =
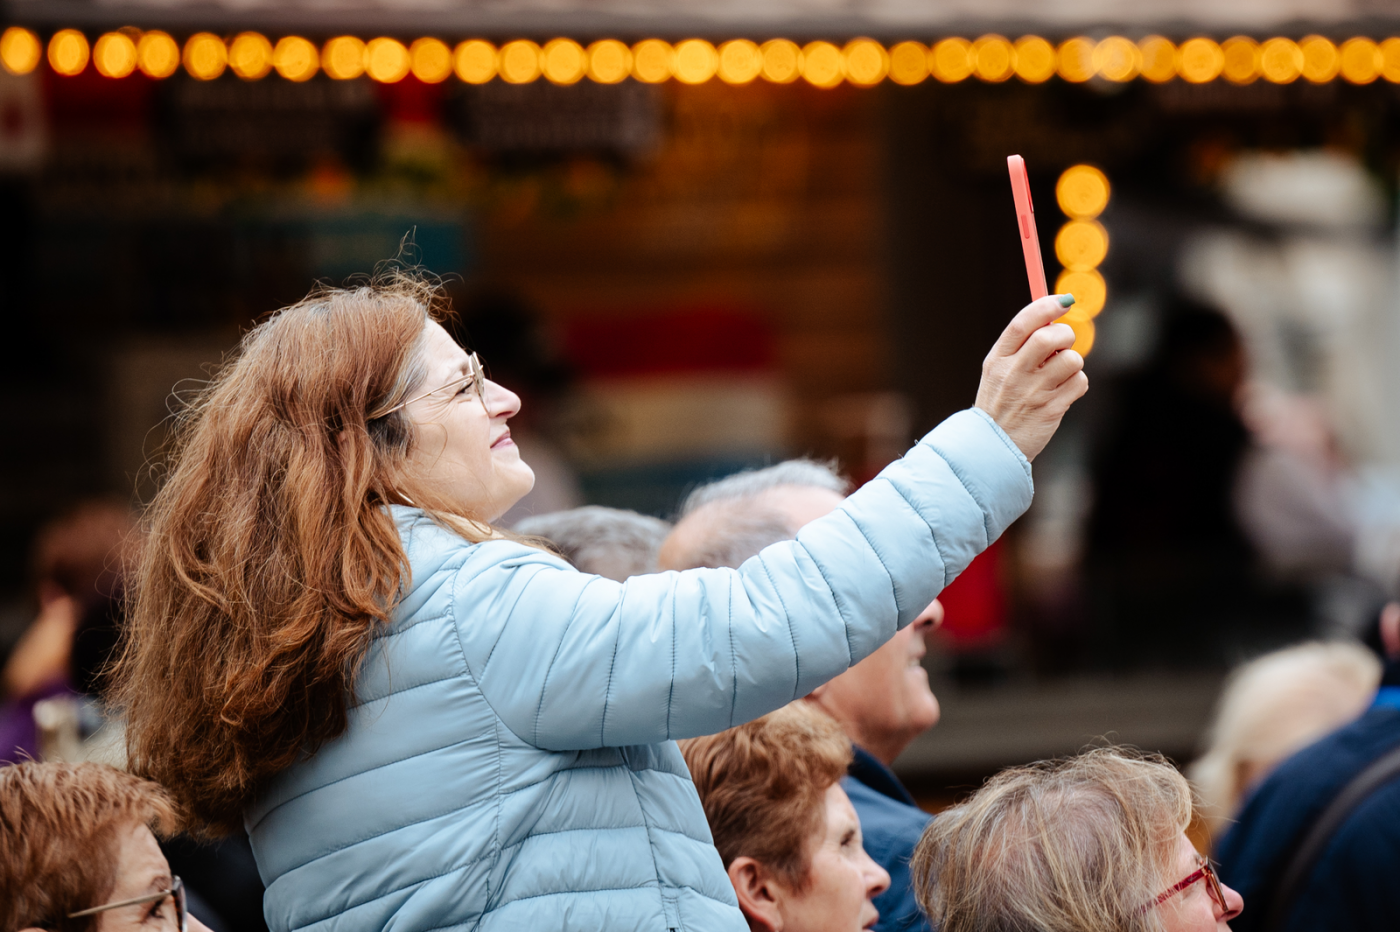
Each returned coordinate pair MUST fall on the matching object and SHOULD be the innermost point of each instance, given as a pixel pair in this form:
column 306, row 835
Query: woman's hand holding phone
column 1031, row 376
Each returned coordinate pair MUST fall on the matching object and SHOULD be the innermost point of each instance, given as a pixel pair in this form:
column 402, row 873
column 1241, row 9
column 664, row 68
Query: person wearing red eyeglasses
column 1092, row 843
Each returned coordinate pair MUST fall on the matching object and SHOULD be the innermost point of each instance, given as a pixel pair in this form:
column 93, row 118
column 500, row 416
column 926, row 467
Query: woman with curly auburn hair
column 1093, row 843
column 423, row 722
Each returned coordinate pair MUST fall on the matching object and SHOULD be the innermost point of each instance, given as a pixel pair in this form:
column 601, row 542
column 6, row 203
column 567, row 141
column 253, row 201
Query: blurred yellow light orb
column 1117, row 59
column 158, row 55
column 1082, row 192
column 740, row 61
column 1076, row 59
column 696, row 61
column 250, row 56
column 1361, row 60
column 205, row 56
column 387, row 60
column 475, row 61
column 950, row 61
column 1035, row 60
column 343, row 58
column 1081, row 245
column 908, row 63
column 296, row 59
column 1083, row 333
column 782, row 61
column 821, row 64
column 520, row 62
column 1199, row 60
column 1158, row 59
column 1241, row 60
column 865, row 62
column 1087, row 286
column 20, row 50
column 114, row 55
column 609, row 61
column 1281, row 60
column 1320, row 59
column 1390, row 60
column 432, row 60
column 653, row 61
column 563, row 61
column 993, row 58
column 68, row 52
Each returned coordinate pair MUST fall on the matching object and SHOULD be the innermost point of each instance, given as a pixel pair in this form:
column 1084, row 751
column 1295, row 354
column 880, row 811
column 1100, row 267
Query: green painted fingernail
column 1066, row 300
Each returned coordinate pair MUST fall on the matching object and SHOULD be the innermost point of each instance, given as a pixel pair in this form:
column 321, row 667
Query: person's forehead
column 840, row 814
column 140, row 861
column 441, row 353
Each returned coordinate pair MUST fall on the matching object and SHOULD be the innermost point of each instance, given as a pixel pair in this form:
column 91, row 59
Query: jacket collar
column 872, row 772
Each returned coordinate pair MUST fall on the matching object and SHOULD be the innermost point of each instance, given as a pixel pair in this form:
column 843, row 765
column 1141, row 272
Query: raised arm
column 571, row 661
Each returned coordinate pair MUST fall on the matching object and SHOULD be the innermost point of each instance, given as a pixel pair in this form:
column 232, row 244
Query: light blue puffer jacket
column 511, row 764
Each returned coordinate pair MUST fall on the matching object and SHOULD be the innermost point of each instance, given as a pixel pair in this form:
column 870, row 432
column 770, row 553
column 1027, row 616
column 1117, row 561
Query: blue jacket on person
column 510, row 760
column 1355, row 883
column 891, row 824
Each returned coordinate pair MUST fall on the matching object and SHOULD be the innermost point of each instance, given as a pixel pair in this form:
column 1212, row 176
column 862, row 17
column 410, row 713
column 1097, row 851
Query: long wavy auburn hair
column 271, row 557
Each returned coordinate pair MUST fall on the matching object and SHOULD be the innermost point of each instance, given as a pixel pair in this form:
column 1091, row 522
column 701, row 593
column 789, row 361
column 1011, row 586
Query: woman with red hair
column 424, row 722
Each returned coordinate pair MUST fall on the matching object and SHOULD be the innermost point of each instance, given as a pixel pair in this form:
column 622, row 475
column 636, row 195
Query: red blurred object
column 411, row 100
column 687, row 340
column 974, row 605
column 88, row 101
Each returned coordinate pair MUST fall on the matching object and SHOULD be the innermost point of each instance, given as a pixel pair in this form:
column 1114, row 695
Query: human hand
column 1031, row 376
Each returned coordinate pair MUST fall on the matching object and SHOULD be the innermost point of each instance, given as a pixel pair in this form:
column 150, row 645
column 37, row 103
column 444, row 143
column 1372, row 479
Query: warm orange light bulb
column 782, row 61
column 250, row 56
column 1117, row 59
column 68, row 52
column 950, row 60
column 20, row 50
column 1035, row 60
column 431, row 60
column 865, row 62
column 563, row 61
column 343, row 58
column 696, row 61
column 908, row 63
column 609, row 61
column 114, row 55
column 157, row 54
column 520, row 62
column 475, row 61
column 653, row 61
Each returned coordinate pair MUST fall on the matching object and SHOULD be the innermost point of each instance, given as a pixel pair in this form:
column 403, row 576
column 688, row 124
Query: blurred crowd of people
column 1291, row 818
column 815, row 830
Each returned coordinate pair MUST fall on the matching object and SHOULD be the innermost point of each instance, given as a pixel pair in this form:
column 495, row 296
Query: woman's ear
column 759, row 895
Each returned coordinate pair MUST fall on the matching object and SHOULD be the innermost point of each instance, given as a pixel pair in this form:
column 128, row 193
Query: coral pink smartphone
column 1025, row 221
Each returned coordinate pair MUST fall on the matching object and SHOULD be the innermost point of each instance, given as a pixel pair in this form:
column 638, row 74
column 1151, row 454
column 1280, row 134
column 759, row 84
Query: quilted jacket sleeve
column 571, row 661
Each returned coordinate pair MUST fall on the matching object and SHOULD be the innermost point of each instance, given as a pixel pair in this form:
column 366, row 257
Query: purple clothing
column 19, row 738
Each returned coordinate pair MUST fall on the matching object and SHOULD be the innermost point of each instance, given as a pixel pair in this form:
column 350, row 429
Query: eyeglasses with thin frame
column 1212, row 885
column 177, row 891
column 476, row 375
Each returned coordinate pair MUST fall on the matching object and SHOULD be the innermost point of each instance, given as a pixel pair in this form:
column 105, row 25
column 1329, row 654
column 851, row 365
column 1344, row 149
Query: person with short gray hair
column 611, row 542
column 881, row 703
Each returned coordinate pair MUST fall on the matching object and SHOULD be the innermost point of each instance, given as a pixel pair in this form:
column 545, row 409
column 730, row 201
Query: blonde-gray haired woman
column 1091, row 843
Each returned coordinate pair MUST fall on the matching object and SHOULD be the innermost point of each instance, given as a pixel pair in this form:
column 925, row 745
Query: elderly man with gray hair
column 611, row 542
column 882, row 703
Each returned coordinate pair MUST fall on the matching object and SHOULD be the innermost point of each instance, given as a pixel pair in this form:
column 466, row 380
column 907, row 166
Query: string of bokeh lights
column 1081, row 244
column 861, row 62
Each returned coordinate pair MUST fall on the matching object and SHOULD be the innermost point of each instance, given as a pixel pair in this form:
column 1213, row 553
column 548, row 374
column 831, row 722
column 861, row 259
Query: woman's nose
column 877, row 879
column 501, row 401
column 1234, row 903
